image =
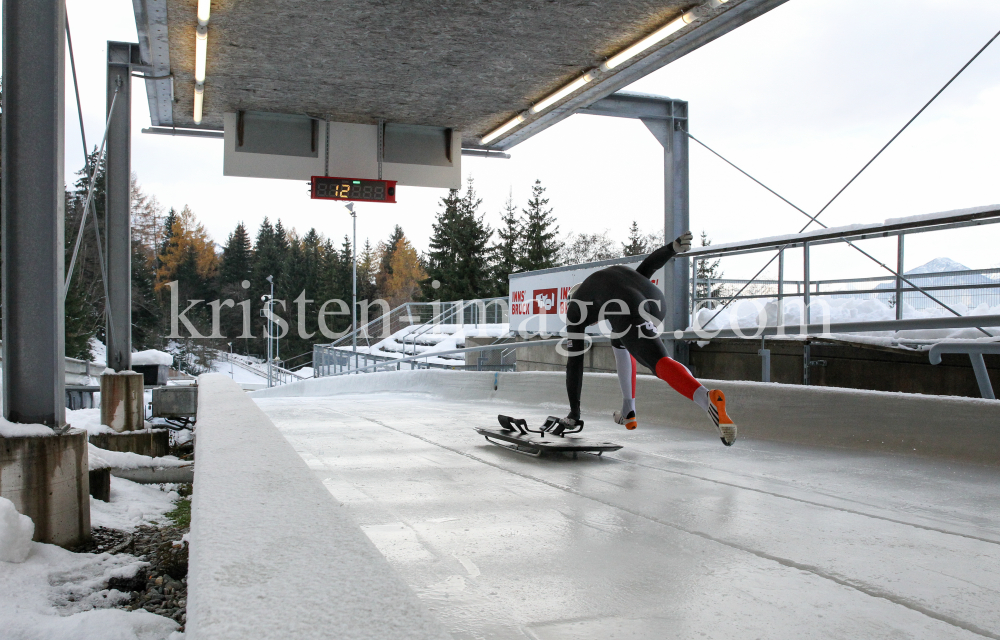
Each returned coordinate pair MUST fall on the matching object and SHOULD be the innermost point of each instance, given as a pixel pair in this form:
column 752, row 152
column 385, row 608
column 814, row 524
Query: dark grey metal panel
column 417, row 144
column 118, row 221
column 280, row 134
column 32, row 211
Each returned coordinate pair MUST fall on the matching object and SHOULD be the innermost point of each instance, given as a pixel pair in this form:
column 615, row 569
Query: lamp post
column 231, row 374
column 354, row 282
column 269, row 301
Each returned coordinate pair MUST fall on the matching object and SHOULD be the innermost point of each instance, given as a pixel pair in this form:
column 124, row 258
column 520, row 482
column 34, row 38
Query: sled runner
column 516, row 435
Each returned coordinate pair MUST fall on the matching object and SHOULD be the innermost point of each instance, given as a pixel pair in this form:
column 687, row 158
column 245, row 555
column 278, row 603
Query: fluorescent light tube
column 653, row 39
column 502, row 129
column 204, row 8
column 199, row 99
column 550, row 100
column 200, row 53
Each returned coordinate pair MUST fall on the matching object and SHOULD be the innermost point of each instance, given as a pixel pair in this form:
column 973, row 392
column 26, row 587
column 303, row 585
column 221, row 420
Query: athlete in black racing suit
column 634, row 307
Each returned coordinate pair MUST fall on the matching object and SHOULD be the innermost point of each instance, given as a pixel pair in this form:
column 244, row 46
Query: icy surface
column 674, row 536
column 15, row 533
column 152, row 356
column 132, row 504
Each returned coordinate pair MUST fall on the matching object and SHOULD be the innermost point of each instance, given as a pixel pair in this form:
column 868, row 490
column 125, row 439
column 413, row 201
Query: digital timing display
column 327, row 188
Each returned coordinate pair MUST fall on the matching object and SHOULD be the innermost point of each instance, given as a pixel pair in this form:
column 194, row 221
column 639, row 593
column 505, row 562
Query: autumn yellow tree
column 406, row 273
column 188, row 256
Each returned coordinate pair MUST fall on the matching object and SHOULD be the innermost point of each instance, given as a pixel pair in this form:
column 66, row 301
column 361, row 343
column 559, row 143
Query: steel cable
column 849, row 182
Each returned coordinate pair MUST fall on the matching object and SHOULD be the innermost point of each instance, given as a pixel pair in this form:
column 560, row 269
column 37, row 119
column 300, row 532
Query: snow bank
column 152, row 356
column 59, row 595
column 88, row 419
column 15, row 430
column 15, row 533
column 104, row 459
column 132, row 504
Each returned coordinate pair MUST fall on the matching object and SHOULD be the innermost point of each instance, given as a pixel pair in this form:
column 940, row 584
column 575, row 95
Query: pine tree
column 541, row 246
column 189, row 258
column 636, row 245
column 460, row 256
column 237, row 259
column 508, row 251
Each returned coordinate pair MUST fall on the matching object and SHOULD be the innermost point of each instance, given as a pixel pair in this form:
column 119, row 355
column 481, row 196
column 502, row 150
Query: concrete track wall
column 273, row 555
column 945, row 427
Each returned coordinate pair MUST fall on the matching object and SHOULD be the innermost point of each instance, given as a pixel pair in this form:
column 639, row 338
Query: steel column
column 33, row 212
column 781, row 288
column 117, row 207
column 899, row 272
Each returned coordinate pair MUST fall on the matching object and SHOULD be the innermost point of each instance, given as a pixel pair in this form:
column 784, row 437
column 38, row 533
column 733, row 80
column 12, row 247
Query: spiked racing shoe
column 717, row 410
column 629, row 421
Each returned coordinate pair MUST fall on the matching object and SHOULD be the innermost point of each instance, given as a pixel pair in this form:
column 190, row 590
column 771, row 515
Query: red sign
column 544, row 301
column 518, row 306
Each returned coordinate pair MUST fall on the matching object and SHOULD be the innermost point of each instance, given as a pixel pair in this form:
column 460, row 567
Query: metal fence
column 971, row 288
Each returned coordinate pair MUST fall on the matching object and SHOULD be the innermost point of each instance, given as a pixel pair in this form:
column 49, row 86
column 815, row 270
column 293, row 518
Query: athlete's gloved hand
column 683, row 243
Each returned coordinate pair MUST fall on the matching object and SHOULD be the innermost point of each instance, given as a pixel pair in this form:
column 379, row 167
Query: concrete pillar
column 118, row 221
column 48, row 479
column 122, row 400
column 33, row 209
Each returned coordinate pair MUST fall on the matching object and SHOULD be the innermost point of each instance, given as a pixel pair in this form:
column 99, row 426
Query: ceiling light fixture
column 615, row 61
column 200, row 57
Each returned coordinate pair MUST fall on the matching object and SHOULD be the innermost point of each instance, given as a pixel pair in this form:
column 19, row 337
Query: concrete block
column 100, row 484
column 273, row 555
column 154, row 443
column 48, row 479
column 122, row 400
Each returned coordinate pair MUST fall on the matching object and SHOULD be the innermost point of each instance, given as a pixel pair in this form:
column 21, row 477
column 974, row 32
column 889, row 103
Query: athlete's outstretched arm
column 662, row 255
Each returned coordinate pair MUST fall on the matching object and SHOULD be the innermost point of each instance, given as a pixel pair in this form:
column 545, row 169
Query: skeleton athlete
column 635, row 337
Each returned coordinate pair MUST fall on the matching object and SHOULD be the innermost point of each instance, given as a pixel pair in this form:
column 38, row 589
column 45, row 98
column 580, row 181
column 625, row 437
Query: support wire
column 844, row 188
column 91, row 178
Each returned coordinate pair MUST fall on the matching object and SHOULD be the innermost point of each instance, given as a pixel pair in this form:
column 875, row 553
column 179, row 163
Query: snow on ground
column 89, row 419
column 427, row 340
column 50, row 593
column 238, row 374
column 132, row 504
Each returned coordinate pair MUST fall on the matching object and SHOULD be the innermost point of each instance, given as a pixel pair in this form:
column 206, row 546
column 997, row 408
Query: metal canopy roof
column 465, row 64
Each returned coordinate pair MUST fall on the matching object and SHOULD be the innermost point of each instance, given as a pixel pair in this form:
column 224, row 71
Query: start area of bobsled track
column 673, row 536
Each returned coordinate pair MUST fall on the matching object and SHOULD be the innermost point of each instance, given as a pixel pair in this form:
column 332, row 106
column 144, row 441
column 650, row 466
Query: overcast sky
column 800, row 98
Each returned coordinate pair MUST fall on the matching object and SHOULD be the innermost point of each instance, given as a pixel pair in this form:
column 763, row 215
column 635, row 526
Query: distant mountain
column 938, row 265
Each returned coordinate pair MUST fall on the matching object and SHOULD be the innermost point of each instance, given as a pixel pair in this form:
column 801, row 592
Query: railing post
column 694, row 289
column 899, row 280
column 781, row 288
column 806, row 315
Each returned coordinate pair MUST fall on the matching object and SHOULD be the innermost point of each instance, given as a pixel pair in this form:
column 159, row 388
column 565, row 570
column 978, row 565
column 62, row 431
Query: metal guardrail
column 811, row 330
column 975, row 351
column 709, row 291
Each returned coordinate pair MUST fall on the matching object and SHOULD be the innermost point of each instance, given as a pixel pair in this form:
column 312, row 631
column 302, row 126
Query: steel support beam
column 667, row 120
column 33, row 196
column 117, row 209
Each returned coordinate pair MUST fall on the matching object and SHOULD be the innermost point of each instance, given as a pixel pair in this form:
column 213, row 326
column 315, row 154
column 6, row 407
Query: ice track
column 675, row 536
